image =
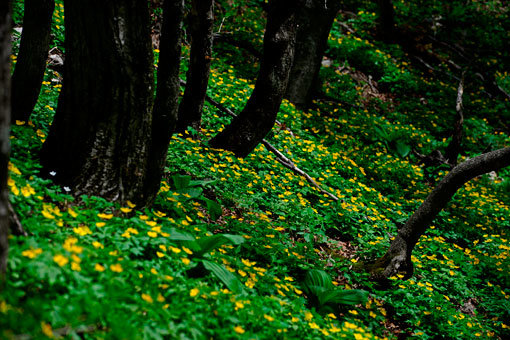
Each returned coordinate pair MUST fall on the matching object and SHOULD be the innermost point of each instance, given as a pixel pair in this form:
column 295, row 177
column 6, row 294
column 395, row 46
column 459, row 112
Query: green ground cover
column 92, row 269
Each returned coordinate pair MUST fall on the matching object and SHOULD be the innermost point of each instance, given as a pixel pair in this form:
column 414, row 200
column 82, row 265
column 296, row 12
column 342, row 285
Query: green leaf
column 192, row 192
column 318, row 280
column 345, row 297
column 402, row 148
column 180, row 236
column 382, row 134
column 213, row 208
column 208, row 244
column 181, row 181
column 231, row 281
column 318, row 285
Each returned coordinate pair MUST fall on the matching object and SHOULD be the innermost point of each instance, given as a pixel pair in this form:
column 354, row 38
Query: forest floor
column 224, row 250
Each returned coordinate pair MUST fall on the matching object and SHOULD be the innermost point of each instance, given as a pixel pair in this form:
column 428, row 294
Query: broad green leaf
column 180, row 236
column 214, row 209
column 181, row 181
column 231, row 281
column 402, row 148
column 316, row 279
column 192, row 192
column 345, row 297
column 208, row 244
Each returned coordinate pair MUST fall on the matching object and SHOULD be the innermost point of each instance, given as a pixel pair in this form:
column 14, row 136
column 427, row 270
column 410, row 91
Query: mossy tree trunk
column 32, row 56
column 101, row 140
column 398, row 257
column 197, row 77
column 248, row 129
column 314, row 21
column 5, row 114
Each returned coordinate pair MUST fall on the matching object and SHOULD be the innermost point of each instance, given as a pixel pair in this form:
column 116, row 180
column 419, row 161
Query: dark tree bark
column 398, row 257
column 386, row 21
column 259, row 115
column 33, row 53
column 100, row 140
column 167, row 95
column 5, row 114
column 453, row 149
column 314, row 21
column 197, row 77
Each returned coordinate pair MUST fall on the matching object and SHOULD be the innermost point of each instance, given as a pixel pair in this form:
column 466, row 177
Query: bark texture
column 314, row 21
column 32, row 56
column 398, row 257
column 197, row 77
column 99, row 142
column 167, row 95
column 259, row 115
column 5, row 113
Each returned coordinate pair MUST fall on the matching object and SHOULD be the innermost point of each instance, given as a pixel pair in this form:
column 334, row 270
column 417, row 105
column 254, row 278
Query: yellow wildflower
column 46, row 329
column 116, row 268
column 60, row 259
column 32, row 253
column 105, row 216
column 239, row 330
column 147, row 298
column 99, row 267
column 268, row 318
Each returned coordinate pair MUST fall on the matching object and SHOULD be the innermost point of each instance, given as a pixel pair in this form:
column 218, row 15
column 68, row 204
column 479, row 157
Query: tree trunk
column 386, row 21
column 314, row 22
column 5, row 114
column 259, row 115
column 33, row 53
column 453, row 149
column 100, row 139
column 167, row 95
column 398, row 257
column 197, row 77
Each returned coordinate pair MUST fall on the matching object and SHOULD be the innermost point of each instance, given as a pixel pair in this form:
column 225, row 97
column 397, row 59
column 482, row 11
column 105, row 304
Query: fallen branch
column 280, row 157
column 289, row 164
column 14, row 222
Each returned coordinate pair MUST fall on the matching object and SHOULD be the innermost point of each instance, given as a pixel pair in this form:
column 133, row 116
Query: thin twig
column 280, row 157
column 14, row 222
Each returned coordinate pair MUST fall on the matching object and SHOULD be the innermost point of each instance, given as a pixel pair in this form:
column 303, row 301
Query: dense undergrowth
column 92, row 269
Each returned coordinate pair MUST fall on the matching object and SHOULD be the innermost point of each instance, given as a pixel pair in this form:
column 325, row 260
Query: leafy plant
column 393, row 142
column 325, row 296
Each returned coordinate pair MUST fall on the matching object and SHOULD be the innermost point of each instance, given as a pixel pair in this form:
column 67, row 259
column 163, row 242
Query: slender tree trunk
column 33, row 53
column 5, row 114
column 197, row 77
column 258, row 117
column 167, row 95
column 99, row 142
column 314, row 21
column 386, row 21
column 398, row 257
column 453, row 149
